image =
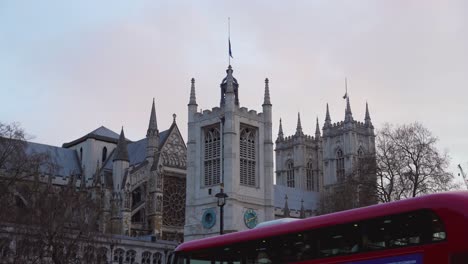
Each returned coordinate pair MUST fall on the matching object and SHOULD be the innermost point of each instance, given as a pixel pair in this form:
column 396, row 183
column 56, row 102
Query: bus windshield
column 394, row 231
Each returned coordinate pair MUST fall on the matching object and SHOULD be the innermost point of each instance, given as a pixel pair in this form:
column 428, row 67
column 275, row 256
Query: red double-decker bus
column 432, row 229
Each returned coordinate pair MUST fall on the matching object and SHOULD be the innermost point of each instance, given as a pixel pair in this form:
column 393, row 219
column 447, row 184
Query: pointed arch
column 248, row 155
column 104, row 154
column 212, row 156
column 340, row 168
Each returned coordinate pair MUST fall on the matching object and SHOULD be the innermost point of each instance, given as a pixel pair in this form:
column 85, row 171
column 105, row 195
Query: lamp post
column 221, row 202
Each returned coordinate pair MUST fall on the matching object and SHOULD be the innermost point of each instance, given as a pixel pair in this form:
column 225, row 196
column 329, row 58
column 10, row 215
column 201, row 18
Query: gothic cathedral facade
column 307, row 166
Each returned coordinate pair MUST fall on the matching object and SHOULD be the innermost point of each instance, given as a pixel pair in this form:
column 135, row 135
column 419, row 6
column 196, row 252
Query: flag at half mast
column 230, row 51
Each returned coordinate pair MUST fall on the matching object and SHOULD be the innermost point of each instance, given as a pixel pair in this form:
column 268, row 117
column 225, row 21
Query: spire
column 327, row 117
column 299, row 126
column 266, row 98
column 193, row 99
column 317, row 130
column 348, row 113
column 280, row 131
column 286, row 207
column 302, row 214
column 153, row 124
column 121, row 152
column 367, row 119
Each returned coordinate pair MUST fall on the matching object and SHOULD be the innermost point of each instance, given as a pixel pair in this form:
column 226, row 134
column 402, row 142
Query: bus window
column 414, row 228
column 340, row 240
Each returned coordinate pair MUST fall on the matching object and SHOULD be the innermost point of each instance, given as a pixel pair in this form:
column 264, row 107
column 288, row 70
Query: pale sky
column 68, row 67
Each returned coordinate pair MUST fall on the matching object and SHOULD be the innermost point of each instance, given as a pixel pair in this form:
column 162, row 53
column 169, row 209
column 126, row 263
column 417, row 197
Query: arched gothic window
column 130, row 257
column 119, row 255
column 212, row 156
column 290, row 174
column 247, row 156
column 81, row 154
column 310, row 177
column 360, row 153
column 157, row 258
column 146, row 257
column 104, row 154
column 340, row 169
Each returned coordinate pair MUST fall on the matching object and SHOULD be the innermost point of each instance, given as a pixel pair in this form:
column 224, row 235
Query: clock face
column 250, row 218
column 209, row 218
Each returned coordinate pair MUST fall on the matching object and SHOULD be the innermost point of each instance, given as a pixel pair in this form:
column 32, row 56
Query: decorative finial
column 174, row 118
column 280, row 131
column 327, row 116
column 153, row 123
column 317, row 130
column 266, row 98
column 348, row 113
column 299, row 126
column 193, row 99
column 367, row 119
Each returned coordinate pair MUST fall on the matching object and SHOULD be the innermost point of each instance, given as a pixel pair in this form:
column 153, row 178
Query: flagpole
column 229, row 39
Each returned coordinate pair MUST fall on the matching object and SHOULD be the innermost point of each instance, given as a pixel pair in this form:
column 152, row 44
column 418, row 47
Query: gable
column 174, row 151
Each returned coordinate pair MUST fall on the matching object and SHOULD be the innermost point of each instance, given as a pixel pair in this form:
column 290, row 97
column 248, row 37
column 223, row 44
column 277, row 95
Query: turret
column 120, row 162
column 229, row 90
column 152, row 135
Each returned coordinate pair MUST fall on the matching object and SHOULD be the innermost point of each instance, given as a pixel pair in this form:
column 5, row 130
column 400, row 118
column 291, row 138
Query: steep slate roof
column 294, row 198
column 137, row 150
column 66, row 159
column 102, row 133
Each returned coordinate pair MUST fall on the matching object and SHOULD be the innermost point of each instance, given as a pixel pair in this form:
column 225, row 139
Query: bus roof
column 456, row 201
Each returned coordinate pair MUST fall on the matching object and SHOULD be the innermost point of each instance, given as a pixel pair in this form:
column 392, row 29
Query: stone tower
column 344, row 143
column 228, row 146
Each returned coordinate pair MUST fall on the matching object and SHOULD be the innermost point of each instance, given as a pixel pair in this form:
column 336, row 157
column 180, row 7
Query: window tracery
column 290, row 174
column 212, row 157
column 130, row 257
column 310, row 177
column 174, row 202
column 119, row 256
column 157, row 258
column 146, row 257
column 247, row 156
column 340, row 170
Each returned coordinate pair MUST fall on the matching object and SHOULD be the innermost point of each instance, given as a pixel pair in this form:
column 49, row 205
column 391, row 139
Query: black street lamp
column 221, row 202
